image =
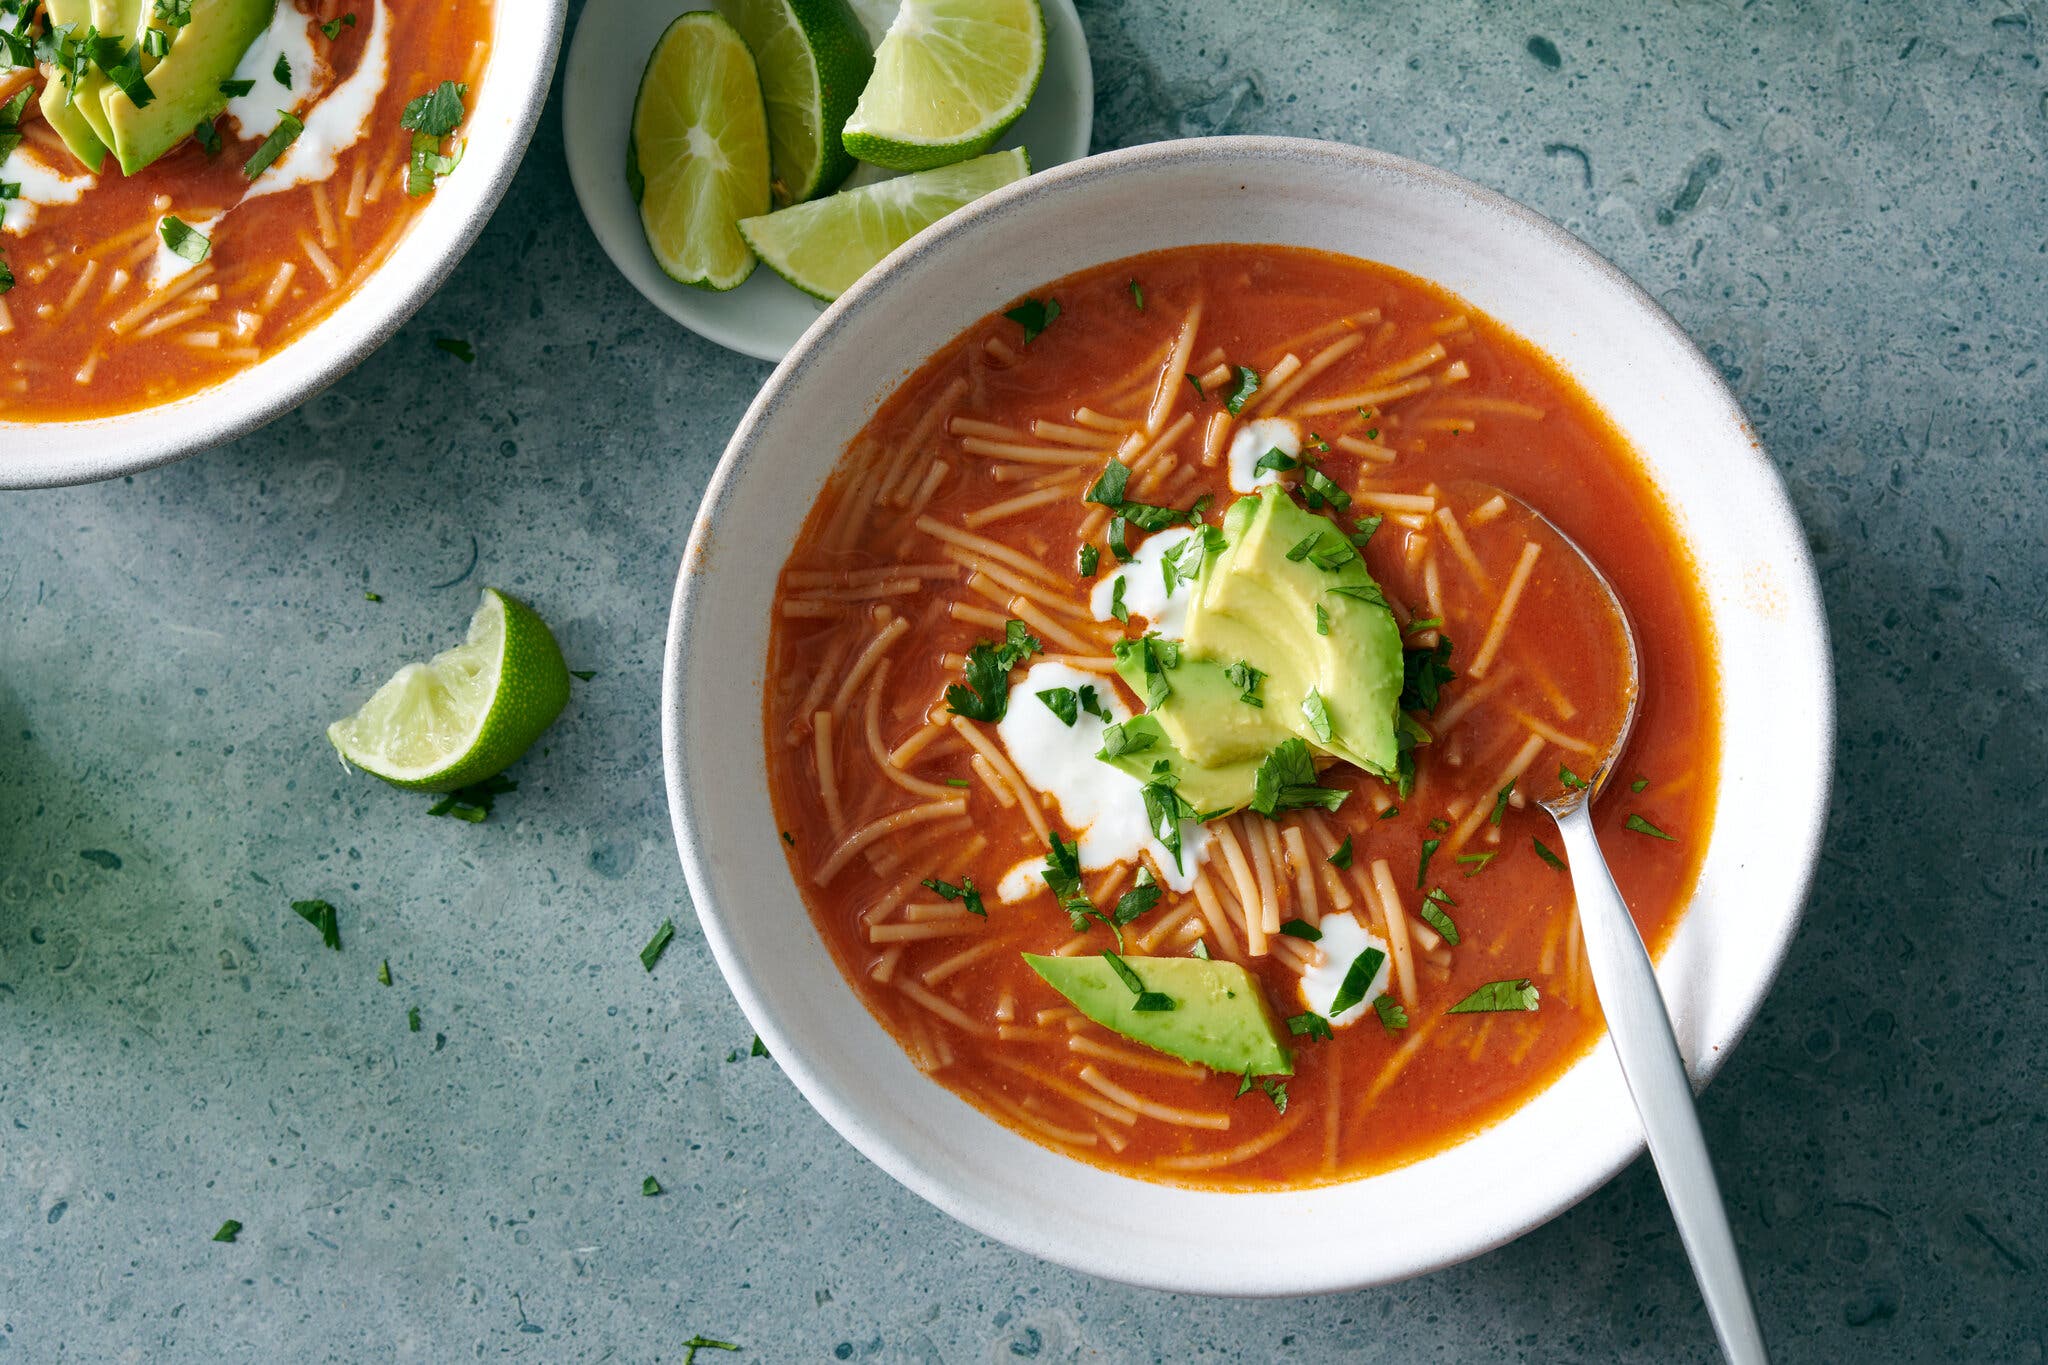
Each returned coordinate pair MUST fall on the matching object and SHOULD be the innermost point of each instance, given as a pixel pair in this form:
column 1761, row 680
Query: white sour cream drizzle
column 289, row 36
column 40, row 184
column 1145, row 591
column 1105, row 804
column 1253, row 440
column 1344, row 938
column 337, row 121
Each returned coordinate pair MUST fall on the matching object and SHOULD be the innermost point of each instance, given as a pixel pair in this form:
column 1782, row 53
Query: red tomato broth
column 1371, row 1098
column 62, row 359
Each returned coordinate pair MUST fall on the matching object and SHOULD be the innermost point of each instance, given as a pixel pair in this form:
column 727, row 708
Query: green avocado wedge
column 186, row 83
column 1219, row 1017
column 72, row 127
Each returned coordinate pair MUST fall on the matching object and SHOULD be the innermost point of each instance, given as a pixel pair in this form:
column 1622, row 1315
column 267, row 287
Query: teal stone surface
column 1843, row 203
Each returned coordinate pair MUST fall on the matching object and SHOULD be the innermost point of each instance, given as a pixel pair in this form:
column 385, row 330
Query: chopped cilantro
column 1358, row 979
column 1366, row 527
column 1438, row 825
column 966, row 893
column 1272, row 1087
column 181, row 240
column 1200, row 948
column 1246, row 680
column 1429, row 848
column 1063, row 702
column 1118, row 740
column 1496, row 997
column 1108, row 488
column 1500, row 802
column 757, row 1048
column 1149, row 1002
column 1302, row 929
column 1392, row 1016
column 412, row 1019
column 282, row 72
column 1286, row 780
column 1166, row 808
column 1090, row 557
column 1475, row 863
column 1062, row 874
column 228, row 1231
column 1543, row 852
column 1137, row 295
column 1195, row 384
column 1642, row 826
column 585, row 674
column 234, row 90
column 701, row 1343
column 1342, row 857
column 658, row 945
column 1034, row 316
column 1092, row 704
column 986, row 694
column 1571, row 780
column 321, row 916
column 458, row 348
column 475, row 802
column 1117, row 607
column 650, row 1187
column 1309, row 1024
column 1322, row 620
column 1391, row 813
column 436, row 113
column 1638, row 785
column 1423, row 675
column 1426, row 623
column 384, row 972
column 1139, row 900
column 332, row 28
column 1434, row 916
column 1317, row 712
column 1247, row 385
column 1318, row 488
column 1278, row 459
column 284, row 135
column 369, row 596
column 121, row 64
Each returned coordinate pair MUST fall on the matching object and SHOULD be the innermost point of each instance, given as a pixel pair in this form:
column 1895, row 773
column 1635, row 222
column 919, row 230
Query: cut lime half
column 814, row 61
column 466, row 713
column 824, row 246
column 950, row 76
column 698, row 160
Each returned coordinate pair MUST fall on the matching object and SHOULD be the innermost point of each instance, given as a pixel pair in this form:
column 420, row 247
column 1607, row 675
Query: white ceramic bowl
column 1776, row 693
column 524, row 41
column 764, row 316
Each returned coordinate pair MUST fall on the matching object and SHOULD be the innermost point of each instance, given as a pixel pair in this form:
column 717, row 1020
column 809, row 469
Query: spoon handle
column 1650, row 1062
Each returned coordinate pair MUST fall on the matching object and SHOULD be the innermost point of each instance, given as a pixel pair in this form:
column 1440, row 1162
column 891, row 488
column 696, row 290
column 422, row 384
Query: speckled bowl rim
column 53, row 454
column 1604, row 1153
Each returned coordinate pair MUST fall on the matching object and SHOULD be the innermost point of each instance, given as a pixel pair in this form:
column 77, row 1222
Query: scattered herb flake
column 1543, row 852
column 1247, row 385
column 650, row 1187
column 412, row 1019
column 229, row 1230
column 1309, row 1025
column 1137, row 295
column 1642, row 826
column 1322, row 620
column 1475, row 863
column 1638, row 785
column 1092, row 704
column 207, row 136
column 1500, row 802
column 234, row 90
column 1301, row 929
column 321, row 916
column 1433, row 915
column 1090, row 557
column 1429, row 848
column 182, row 240
column 1358, row 979
column 475, row 802
column 757, row 1048
column 1195, row 383
column 1200, row 949
column 1496, row 997
column 1246, row 680
column 1342, row 857
column 1117, row 608
column 1063, row 702
column 369, row 596
column 700, row 1343
column 1571, row 780
column 1148, row 1002
column 284, row 135
column 1317, row 713
column 985, row 696
column 1286, row 780
column 384, row 972
column 436, row 113
column 658, row 945
column 1391, row 813
column 332, row 28
column 966, row 893
column 583, row 674
column 458, row 348
column 282, row 72
column 1392, row 1016
column 1034, row 316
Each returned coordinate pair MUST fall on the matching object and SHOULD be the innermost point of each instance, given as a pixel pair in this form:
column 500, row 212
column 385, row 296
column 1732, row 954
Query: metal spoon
column 1641, row 1029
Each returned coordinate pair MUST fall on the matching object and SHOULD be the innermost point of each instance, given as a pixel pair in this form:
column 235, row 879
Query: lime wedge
column 813, row 58
column 824, row 246
column 950, row 76
column 466, row 713
column 698, row 160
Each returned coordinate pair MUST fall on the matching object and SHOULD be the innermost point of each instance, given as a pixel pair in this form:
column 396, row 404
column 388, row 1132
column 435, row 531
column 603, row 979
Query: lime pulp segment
column 699, row 152
column 824, row 246
column 950, row 76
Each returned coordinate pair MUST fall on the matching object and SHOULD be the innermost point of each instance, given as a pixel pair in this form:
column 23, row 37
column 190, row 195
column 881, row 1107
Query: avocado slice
column 1219, row 1017
column 84, row 102
column 1254, row 603
column 72, row 127
column 186, row 82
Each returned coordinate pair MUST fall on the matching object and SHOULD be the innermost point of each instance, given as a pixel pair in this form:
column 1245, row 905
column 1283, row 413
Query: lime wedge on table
column 950, row 76
column 824, row 246
column 813, row 58
column 698, row 161
column 466, row 713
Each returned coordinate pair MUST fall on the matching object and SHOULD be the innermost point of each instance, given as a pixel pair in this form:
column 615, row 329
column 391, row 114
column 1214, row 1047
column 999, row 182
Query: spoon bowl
column 1638, row 1025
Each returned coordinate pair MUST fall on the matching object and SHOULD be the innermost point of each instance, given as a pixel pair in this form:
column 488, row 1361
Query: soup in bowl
column 193, row 189
column 1151, row 673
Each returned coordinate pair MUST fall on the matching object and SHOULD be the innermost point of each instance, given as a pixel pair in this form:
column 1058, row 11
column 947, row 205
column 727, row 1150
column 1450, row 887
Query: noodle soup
column 1152, row 854
column 178, row 217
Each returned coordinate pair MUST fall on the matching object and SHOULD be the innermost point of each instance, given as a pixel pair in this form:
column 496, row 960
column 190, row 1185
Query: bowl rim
column 1802, row 591
column 127, row 447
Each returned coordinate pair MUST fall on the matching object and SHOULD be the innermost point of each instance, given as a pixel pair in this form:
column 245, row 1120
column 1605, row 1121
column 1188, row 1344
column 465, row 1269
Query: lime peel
column 950, row 77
